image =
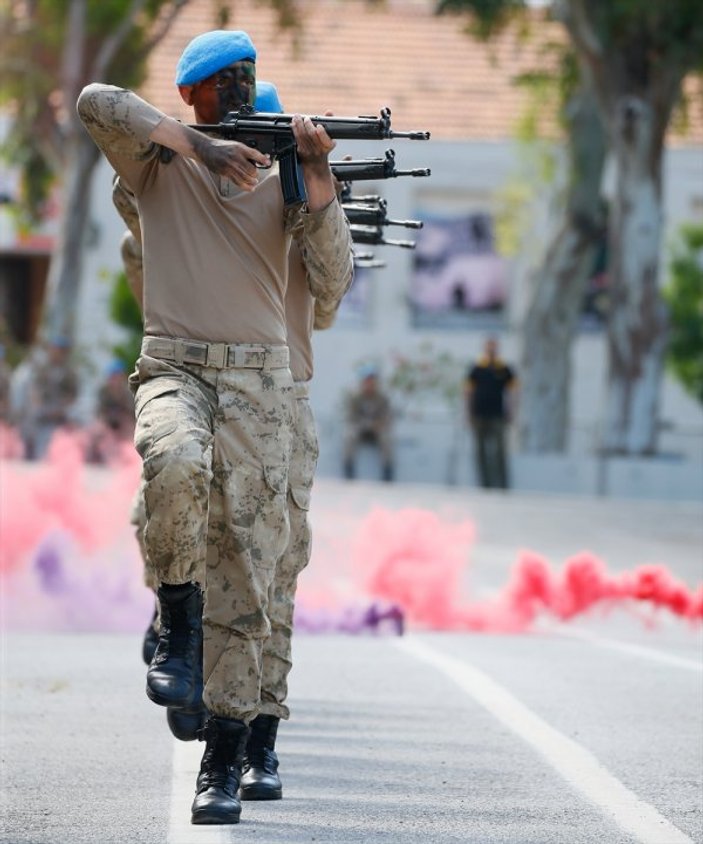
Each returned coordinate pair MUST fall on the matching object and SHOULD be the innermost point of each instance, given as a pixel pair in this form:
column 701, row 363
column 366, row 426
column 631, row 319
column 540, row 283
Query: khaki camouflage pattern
column 277, row 648
column 131, row 250
column 126, row 204
column 137, row 519
column 134, row 117
column 215, row 445
column 329, row 270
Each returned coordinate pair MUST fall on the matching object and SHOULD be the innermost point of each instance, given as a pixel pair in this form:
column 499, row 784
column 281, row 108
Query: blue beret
column 210, row 52
column 267, row 98
column 368, row 370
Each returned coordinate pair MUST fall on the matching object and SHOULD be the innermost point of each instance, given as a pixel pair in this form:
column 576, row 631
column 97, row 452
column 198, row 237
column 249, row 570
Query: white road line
column 640, row 651
column 186, row 764
column 578, row 766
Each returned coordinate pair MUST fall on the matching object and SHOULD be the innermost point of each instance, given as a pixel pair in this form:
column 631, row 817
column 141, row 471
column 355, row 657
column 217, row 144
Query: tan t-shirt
column 299, row 317
column 215, row 257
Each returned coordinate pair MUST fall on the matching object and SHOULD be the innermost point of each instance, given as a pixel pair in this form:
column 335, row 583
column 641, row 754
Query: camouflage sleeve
column 131, row 251
column 326, row 246
column 126, row 204
column 120, row 123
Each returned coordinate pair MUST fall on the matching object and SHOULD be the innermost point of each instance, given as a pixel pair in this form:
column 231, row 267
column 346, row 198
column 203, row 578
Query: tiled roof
column 353, row 58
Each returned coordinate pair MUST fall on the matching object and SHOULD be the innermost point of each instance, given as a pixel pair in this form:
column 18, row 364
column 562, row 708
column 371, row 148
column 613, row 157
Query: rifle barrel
column 413, row 136
column 406, row 224
column 421, row 171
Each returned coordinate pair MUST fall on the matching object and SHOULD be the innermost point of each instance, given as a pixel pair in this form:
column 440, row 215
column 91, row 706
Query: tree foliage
column 50, row 50
column 684, row 297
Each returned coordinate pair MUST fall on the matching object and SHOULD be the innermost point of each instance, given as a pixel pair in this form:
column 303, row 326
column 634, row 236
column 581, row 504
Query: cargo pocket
column 301, row 497
column 271, row 530
column 153, row 422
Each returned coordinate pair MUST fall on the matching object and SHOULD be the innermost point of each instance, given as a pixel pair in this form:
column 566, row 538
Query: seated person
column 368, row 420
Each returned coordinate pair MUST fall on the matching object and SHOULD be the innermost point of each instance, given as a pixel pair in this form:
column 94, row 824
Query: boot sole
column 213, row 818
column 259, row 793
column 162, row 700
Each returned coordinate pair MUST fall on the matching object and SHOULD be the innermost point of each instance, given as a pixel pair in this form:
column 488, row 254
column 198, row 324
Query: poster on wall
column 458, row 279
column 354, row 307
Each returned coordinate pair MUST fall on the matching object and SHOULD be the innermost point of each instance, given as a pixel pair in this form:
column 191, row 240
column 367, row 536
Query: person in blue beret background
column 214, row 395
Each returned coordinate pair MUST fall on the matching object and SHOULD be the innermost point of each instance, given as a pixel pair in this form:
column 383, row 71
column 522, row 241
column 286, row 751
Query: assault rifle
column 272, row 134
column 373, row 236
column 375, row 213
column 372, row 169
column 368, row 263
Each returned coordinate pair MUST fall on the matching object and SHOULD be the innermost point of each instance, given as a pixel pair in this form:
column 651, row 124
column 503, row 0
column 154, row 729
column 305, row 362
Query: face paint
column 234, row 86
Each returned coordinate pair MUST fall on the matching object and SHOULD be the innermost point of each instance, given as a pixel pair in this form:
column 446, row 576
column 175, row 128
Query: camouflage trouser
column 277, row 648
column 138, row 519
column 215, row 445
column 277, row 660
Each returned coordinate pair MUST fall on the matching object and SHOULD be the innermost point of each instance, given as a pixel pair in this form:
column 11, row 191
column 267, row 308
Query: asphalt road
column 549, row 737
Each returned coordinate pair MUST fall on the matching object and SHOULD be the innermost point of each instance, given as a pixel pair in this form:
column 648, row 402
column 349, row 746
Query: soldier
column 368, row 420
column 50, row 393
column 260, row 780
column 311, row 302
column 214, row 392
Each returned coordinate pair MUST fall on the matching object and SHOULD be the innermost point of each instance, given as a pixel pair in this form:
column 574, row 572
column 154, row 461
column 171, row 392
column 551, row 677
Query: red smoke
column 411, row 558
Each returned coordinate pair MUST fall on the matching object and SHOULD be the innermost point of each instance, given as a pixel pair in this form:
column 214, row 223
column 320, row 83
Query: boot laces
column 177, row 635
column 217, row 769
column 220, row 775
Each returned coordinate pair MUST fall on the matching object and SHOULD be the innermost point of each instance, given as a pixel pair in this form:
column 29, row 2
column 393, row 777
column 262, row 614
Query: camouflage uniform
column 304, row 312
column 214, row 413
column 224, row 495
column 312, row 300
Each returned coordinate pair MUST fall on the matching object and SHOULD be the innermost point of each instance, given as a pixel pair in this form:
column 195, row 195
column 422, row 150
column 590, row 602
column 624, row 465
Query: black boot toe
column 184, row 724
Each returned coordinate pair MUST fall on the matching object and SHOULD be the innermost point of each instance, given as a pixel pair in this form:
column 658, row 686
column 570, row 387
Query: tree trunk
column 559, row 286
column 637, row 316
column 66, row 267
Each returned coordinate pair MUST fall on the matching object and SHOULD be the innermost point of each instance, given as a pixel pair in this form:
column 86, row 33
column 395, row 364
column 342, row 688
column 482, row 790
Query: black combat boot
column 151, row 639
column 260, row 780
column 216, row 800
column 174, row 677
column 185, row 722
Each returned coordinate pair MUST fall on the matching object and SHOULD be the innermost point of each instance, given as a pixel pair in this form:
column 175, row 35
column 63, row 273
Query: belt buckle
column 217, row 355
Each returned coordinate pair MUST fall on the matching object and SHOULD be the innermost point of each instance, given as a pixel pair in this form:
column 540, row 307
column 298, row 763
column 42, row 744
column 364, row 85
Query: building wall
column 432, row 444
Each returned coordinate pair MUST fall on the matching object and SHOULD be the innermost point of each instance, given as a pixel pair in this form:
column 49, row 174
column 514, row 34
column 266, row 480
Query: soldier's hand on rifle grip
column 313, row 148
column 236, row 161
column 313, row 143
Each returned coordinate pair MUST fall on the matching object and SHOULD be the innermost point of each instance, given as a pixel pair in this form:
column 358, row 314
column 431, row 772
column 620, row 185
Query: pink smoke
column 69, row 559
column 411, row 558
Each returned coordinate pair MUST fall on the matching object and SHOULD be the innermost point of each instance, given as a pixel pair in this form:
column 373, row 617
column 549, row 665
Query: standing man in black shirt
column 490, row 391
